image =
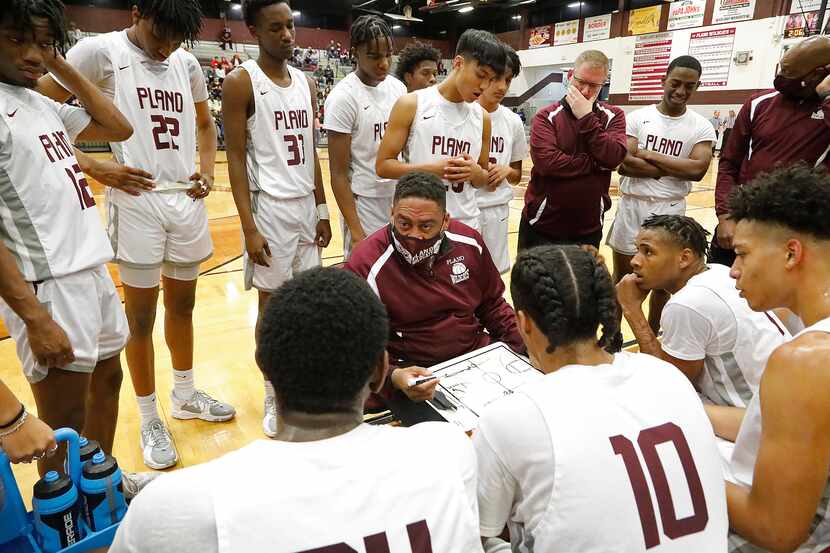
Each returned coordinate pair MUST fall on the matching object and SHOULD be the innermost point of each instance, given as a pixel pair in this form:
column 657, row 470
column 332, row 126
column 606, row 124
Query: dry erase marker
column 418, row 381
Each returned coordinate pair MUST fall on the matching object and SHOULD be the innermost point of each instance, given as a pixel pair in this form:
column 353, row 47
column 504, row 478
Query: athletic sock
column 183, row 385
column 269, row 389
column 147, row 409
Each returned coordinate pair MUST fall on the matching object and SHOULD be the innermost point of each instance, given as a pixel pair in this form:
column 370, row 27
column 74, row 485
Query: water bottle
column 103, row 492
column 88, row 449
column 57, row 512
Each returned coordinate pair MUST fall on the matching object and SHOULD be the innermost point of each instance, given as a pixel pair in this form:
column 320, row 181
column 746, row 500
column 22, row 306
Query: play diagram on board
column 471, row 382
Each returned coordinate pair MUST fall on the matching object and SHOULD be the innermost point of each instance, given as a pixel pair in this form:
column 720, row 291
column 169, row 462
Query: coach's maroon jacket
column 438, row 314
column 572, row 163
column 772, row 130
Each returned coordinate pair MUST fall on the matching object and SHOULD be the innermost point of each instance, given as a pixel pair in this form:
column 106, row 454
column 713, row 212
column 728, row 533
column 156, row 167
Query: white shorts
column 87, row 307
column 494, row 222
column 158, row 228
column 289, row 227
column 631, row 213
column 373, row 214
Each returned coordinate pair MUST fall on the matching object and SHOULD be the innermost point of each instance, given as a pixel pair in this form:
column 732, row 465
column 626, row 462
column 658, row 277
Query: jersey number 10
column 648, row 441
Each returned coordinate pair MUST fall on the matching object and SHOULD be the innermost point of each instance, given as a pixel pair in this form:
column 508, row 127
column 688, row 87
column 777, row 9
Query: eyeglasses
column 587, row 83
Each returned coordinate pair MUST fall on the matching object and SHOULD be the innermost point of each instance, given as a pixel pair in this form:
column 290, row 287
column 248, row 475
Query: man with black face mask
column 776, row 128
column 439, row 284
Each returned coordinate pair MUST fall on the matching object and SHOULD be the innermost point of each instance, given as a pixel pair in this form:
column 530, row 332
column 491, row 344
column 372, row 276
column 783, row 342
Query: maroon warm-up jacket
column 772, row 130
column 572, row 163
column 443, row 313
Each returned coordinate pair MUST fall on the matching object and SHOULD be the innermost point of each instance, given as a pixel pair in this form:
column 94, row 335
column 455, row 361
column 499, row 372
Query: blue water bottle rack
column 17, row 533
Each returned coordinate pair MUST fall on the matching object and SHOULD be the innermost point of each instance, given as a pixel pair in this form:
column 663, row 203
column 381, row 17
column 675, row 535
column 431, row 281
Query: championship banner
column 539, row 37
column 652, row 54
column 597, row 28
column 686, row 13
column 644, row 20
column 713, row 49
column 566, row 32
column 729, row 11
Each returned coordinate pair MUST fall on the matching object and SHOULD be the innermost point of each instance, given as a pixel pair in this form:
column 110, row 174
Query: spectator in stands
column 328, row 73
column 717, row 124
column 214, row 63
column 575, row 144
column 74, row 33
column 236, row 61
column 728, row 124
column 417, row 66
column 442, row 70
column 332, row 50
column 225, row 38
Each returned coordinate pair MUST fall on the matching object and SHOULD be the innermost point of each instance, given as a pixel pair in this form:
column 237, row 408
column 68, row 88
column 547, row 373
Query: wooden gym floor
column 224, row 321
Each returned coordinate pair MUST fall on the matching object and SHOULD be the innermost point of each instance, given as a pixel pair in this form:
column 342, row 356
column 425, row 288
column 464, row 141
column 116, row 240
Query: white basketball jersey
column 635, row 470
column 157, row 99
column 280, row 145
column 363, row 112
column 376, row 488
column 503, row 124
column 732, row 378
column 745, row 454
column 48, row 218
column 441, row 130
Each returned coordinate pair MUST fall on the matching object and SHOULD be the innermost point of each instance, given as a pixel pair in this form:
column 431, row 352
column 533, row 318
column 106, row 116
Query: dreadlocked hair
column 568, row 295
column 685, row 231
column 21, row 12
column 173, row 18
column 367, row 28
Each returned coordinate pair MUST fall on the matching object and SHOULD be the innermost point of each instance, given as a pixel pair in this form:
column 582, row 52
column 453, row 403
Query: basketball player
column 782, row 452
column 357, row 112
column 709, row 331
column 328, row 482
column 417, row 66
column 669, row 147
column 269, row 109
column 442, row 130
column 162, row 234
column 508, row 148
column 560, row 462
column 58, row 300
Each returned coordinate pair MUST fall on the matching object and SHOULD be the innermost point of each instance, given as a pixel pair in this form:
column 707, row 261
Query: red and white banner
column 652, row 54
column 597, row 28
column 729, row 11
column 713, row 49
column 686, row 13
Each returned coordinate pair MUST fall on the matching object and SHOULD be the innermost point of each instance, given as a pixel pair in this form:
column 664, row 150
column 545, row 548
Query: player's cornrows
column 21, row 13
column 367, row 28
column 173, row 18
column 568, row 295
column 687, row 232
column 413, row 54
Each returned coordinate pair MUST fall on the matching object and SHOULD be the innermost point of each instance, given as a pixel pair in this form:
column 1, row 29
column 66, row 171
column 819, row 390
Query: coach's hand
column 323, row 236
column 401, row 378
column 580, row 105
column 202, row 185
column 725, row 232
column 128, row 179
column 629, row 293
column 49, row 343
column 257, row 248
column 33, row 441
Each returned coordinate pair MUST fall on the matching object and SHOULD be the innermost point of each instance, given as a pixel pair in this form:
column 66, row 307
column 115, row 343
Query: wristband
column 15, row 419
column 15, row 425
column 323, row 211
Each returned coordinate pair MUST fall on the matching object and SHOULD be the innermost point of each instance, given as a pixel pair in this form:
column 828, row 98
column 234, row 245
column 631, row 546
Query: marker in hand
column 412, row 382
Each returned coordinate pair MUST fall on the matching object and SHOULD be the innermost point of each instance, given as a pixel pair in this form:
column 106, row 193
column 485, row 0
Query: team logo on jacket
column 460, row 273
column 819, row 114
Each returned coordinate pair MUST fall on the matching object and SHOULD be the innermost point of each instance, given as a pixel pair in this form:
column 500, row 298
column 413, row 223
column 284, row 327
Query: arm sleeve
column 608, row 146
column 548, row 158
column 341, row 114
column 520, row 150
column 731, row 159
column 197, row 80
column 687, row 334
column 494, row 312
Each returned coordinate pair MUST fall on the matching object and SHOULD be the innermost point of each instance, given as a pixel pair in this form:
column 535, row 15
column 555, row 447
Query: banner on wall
column 540, row 37
column 686, row 13
column 566, row 32
column 644, row 20
column 652, row 54
column 799, row 6
column 713, row 49
column 729, row 11
column 597, row 28
column 801, row 25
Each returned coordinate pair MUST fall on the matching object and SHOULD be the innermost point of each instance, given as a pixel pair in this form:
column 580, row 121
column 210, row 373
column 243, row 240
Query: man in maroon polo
column 774, row 128
column 575, row 144
column 441, row 289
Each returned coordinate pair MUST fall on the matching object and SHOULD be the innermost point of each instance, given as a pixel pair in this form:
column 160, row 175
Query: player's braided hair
column 685, row 231
column 568, row 295
column 367, row 28
column 21, row 12
column 413, row 54
column 173, row 18
column 797, row 197
column 322, row 335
